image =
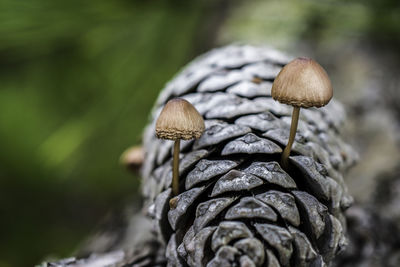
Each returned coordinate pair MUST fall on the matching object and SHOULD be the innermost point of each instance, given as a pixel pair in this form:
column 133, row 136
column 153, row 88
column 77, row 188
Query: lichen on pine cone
column 237, row 206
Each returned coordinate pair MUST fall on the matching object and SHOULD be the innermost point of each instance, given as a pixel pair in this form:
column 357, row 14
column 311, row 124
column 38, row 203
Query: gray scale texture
column 371, row 229
column 237, row 206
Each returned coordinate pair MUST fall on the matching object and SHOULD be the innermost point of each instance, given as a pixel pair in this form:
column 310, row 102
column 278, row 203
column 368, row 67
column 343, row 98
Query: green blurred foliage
column 77, row 82
column 327, row 23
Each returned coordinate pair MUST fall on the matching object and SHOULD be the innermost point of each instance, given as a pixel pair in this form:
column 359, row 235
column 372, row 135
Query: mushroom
column 179, row 120
column 133, row 158
column 302, row 83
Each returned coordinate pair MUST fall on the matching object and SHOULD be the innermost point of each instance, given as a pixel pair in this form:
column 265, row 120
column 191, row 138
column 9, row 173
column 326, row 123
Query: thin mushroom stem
column 293, row 129
column 175, row 168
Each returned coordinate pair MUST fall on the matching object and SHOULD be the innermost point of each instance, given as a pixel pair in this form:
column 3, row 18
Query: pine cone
column 237, row 206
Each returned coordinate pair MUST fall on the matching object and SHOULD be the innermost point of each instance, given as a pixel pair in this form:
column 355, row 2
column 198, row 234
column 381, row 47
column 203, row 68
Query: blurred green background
column 78, row 79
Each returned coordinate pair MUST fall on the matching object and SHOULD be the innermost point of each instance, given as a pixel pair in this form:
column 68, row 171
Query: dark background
column 78, row 79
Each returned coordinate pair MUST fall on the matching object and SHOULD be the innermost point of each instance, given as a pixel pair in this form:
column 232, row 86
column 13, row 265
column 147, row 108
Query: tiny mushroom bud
column 133, row 158
column 179, row 120
column 302, row 83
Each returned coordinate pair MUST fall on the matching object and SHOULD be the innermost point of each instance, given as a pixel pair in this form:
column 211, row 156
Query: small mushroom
column 133, row 158
column 302, row 83
column 179, row 120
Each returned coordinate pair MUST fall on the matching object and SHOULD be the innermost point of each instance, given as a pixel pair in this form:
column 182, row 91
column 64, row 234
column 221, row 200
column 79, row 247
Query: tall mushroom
column 179, row 120
column 302, row 83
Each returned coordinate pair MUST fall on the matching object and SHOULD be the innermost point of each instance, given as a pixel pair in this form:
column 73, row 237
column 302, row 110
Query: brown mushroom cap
column 133, row 156
column 302, row 83
column 179, row 120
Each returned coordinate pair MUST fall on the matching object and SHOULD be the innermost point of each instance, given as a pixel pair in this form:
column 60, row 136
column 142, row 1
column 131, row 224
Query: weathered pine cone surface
column 237, row 206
